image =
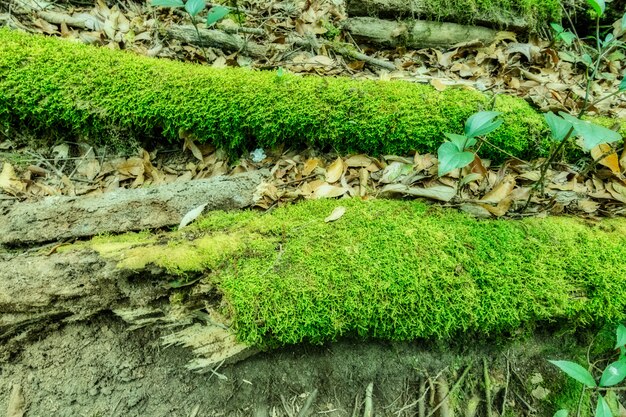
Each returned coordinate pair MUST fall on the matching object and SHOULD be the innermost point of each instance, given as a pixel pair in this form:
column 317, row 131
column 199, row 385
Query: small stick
column 506, row 387
column 369, row 406
column 447, row 394
column 305, row 410
column 357, row 405
column 487, row 388
column 421, row 407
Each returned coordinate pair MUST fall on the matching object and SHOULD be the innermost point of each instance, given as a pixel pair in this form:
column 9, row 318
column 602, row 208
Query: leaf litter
column 481, row 189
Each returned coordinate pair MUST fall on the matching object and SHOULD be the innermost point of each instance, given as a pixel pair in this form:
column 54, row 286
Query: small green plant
column 193, row 8
column 613, row 374
column 455, row 153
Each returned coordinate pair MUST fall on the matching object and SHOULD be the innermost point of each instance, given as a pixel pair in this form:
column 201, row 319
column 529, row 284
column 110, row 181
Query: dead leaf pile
column 596, row 189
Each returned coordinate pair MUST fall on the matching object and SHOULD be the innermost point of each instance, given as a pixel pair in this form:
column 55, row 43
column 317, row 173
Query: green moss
column 397, row 270
column 537, row 13
column 52, row 84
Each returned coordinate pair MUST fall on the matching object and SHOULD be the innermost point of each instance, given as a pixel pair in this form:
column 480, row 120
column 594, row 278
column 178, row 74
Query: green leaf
column 603, row 409
column 280, row 72
column 586, row 59
column 194, row 7
column 481, row 123
column 592, row 134
column 559, row 127
column 622, row 85
column 557, row 28
column 461, row 141
column 613, row 374
column 450, row 158
column 620, row 336
column 561, row 413
column 598, row 6
column 568, row 37
column 167, row 3
column 576, row 371
column 216, row 14
column 624, row 22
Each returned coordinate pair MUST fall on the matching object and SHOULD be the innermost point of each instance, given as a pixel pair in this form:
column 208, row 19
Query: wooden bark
column 38, row 293
column 56, row 218
column 415, row 33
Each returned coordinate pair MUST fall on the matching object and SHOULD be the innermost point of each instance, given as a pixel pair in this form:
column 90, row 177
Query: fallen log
column 415, row 33
column 57, row 218
column 38, row 293
column 516, row 16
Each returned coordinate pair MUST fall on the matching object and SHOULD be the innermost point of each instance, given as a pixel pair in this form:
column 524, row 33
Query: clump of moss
column 52, row 83
column 396, row 270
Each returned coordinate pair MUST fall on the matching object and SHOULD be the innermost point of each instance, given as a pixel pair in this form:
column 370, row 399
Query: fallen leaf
column 336, row 214
column 437, row 192
column 335, row 171
column 501, row 208
column 610, row 159
column 588, row 206
column 329, row 191
column 132, row 167
column 500, row 191
column 622, row 160
column 189, row 144
column 9, row 182
column 358, row 161
column 438, row 84
column 191, row 215
column 309, row 166
column 394, row 171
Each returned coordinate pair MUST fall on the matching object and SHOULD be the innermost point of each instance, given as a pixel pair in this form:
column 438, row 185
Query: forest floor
column 98, row 367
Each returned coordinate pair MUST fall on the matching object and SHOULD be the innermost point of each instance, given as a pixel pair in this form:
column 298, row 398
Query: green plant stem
column 580, row 401
column 195, row 26
column 510, row 155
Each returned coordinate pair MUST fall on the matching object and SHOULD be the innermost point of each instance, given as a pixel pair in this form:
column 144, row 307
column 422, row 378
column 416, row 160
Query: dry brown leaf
column 9, row 182
column 309, row 166
column 189, row 144
column 588, row 206
column 500, row 191
column 501, row 208
column 617, row 190
column 622, row 160
column 610, row 160
column 89, row 168
column 329, row 191
column 335, row 171
column 437, row 192
column 336, row 214
column 358, row 161
column 438, row 84
column 131, row 167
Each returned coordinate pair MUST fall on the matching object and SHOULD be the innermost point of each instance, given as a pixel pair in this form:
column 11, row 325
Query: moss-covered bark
column 49, row 83
column 390, row 270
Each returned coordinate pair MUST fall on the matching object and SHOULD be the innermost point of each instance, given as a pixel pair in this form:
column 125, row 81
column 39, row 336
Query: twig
column 369, row 406
column 580, row 401
column 421, row 408
column 510, row 155
column 357, row 405
column 454, row 387
column 506, row 387
column 487, row 388
column 305, row 410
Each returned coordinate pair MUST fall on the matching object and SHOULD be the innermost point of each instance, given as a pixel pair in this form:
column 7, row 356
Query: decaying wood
column 56, row 218
column 233, row 42
column 415, row 33
column 416, row 9
column 39, row 293
column 216, row 39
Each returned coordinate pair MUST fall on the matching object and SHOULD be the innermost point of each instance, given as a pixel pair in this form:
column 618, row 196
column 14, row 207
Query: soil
column 99, row 368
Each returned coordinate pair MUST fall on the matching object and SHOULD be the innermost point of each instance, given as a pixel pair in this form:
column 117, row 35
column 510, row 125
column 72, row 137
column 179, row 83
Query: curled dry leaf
column 500, row 191
column 335, row 171
column 9, row 182
column 16, row 406
column 437, row 192
column 337, row 213
column 309, row 166
column 191, row 215
column 358, row 161
column 609, row 157
column 329, row 191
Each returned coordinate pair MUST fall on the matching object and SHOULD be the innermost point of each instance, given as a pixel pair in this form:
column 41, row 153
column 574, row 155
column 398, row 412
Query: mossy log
column 415, row 33
column 389, row 270
column 527, row 15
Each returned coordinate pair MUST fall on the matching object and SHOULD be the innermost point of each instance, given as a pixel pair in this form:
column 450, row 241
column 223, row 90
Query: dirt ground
column 98, row 368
